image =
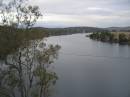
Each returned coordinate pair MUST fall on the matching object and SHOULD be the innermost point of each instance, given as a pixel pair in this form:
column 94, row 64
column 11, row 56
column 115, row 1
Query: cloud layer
column 101, row 13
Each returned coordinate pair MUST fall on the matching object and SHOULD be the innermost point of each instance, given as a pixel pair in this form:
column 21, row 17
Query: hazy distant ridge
column 125, row 29
column 72, row 30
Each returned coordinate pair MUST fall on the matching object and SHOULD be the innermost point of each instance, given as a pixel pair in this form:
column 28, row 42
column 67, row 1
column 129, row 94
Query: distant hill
column 73, row 30
column 119, row 29
column 69, row 30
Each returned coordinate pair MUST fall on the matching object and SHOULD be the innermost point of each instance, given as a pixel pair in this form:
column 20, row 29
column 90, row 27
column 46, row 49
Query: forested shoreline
column 11, row 38
column 25, row 60
column 112, row 37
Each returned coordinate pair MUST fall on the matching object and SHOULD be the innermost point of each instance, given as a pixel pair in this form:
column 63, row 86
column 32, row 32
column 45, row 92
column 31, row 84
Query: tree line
column 25, row 60
column 117, row 37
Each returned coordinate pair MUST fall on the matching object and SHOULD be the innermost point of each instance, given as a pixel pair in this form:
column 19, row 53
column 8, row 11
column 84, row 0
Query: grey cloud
column 69, row 9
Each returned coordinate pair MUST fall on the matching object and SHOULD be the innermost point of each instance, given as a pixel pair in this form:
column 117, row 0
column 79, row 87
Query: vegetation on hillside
column 12, row 38
column 72, row 30
column 116, row 37
column 25, row 61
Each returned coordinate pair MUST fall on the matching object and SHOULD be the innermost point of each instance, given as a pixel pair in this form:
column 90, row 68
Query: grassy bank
column 113, row 37
column 12, row 38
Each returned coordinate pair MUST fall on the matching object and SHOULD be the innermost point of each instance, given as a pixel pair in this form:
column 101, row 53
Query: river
column 88, row 68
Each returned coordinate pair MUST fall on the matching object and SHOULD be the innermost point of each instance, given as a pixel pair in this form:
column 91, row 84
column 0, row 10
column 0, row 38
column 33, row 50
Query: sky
column 96, row 13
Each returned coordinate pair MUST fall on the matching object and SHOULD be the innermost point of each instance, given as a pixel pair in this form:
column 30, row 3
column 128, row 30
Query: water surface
column 88, row 68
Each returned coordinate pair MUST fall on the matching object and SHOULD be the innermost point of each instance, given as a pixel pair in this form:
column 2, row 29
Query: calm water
column 88, row 68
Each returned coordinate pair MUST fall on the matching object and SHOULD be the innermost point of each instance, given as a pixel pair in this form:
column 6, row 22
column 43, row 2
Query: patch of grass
column 117, row 37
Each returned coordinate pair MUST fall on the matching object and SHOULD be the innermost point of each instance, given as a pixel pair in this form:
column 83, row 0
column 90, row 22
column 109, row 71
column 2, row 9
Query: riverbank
column 12, row 38
column 112, row 37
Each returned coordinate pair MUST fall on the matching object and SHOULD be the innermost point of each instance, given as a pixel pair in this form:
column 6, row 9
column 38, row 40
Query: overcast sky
column 99, row 13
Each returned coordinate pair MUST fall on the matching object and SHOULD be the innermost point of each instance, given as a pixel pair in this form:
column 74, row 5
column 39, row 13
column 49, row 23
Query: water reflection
column 28, row 72
column 89, row 68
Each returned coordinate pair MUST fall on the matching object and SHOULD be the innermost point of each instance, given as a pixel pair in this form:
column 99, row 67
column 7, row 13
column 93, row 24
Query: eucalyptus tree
column 29, row 73
column 26, row 71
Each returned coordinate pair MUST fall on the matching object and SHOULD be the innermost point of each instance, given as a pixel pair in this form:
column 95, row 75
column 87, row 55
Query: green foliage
column 110, row 37
column 4, row 92
column 122, row 38
column 20, row 73
column 12, row 38
column 25, row 67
